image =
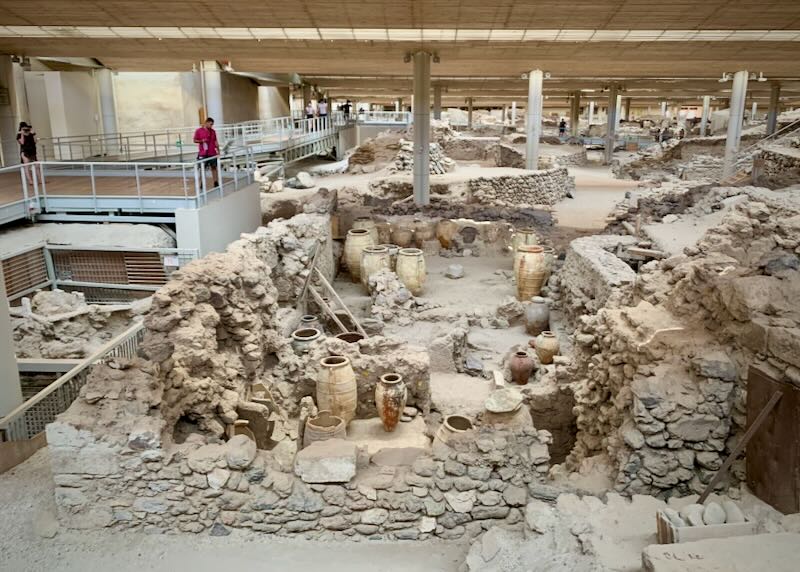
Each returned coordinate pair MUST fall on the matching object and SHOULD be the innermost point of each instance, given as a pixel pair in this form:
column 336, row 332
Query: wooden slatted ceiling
column 145, row 268
column 543, row 14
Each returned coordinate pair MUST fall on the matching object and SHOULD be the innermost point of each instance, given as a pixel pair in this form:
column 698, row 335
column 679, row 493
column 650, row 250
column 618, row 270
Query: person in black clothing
column 562, row 127
column 346, row 107
column 26, row 139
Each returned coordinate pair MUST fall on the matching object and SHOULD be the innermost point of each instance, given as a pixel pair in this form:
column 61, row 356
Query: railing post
column 51, row 268
column 235, row 173
column 196, row 185
column 185, row 187
column 138, row 187
column 94, row 189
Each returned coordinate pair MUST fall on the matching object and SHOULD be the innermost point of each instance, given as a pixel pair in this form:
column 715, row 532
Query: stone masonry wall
column 780, row 167
column 592, row 277
column 526, row 189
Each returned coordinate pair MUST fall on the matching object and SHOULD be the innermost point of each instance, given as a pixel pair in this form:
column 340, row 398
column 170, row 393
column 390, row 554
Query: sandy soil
column 26, row 493
column 596, row 194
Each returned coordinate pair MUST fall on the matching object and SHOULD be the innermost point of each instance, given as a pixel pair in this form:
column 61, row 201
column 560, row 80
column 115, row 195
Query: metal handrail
column 788, row 129
column 125, row 344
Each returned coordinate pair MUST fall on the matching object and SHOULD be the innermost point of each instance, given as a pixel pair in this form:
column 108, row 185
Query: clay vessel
column 537, row 316
column 468, row 234
column 522, row 236
column 336, row 387
column 369, row 224
column 521, row 367
column 452, row 427
column 549, row 262
column 411, row 270
column 242, row 427
column 373, row 259
column 357, row 240
column 546, row 346
column 393, row 250
column 445, row 231
column 390, row 399
column 402, row 236
column 309, row 321
column 505, row 407
column 351, row 337
column 530, row 271
column 303, row 338
column 384, row 231
column 323, row 427
column 423, row 230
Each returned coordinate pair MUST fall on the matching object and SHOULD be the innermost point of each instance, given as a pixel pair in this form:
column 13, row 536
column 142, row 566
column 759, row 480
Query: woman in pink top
column 208, row 147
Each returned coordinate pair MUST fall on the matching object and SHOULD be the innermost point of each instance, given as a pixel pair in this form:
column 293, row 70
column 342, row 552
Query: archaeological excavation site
column 433, row 286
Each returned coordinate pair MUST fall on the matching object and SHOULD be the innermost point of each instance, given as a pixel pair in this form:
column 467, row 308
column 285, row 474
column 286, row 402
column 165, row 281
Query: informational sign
column 171, row 261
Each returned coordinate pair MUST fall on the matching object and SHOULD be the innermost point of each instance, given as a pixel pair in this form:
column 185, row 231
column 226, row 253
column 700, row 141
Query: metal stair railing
column 30, row 418
column 783, row 132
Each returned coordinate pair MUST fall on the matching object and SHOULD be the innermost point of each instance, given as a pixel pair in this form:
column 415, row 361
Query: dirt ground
column 26, row 495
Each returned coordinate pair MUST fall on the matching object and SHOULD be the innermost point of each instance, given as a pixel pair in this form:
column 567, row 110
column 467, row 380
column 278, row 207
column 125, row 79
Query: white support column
column 590, row 118
column 774, row 108
column 469, row 113
column 618, row 112
column 574, row 113
column 628, row 109
column 422, row 127
column 753, row 111
column 663, row 109
column 513, row 114
column 12, row 77
column 108, row 106
column 437, row 101
column 10, row 390
column 212, row 80
column 306, row 97
column 533, row 128
column 704, row 117
column 611, row 130
column 738, row 95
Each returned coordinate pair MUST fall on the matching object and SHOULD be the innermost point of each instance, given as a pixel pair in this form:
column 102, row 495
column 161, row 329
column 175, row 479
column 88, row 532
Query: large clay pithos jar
column 310, row 321
column 522, row 236
column 445, row 231
column 547, row 346
column 521, row 367
column 384, row 231
column 411, row 269
column 323, row 427
column 357, row 240
column 373, row 259
column 423, row 230
column 452, row 427
column 549, row 262
column 336, row 387
column 303, row 338
column 530, row 271
column 369, row 224
column 537, row 316
column 402, row 235
column 390, row 399
column 393, row 250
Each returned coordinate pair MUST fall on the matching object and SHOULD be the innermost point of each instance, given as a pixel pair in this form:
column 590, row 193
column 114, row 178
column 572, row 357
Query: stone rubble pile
column 439, row 162
column 54, row 324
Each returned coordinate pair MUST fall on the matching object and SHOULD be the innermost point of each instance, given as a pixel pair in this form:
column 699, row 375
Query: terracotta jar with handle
column 390, row 399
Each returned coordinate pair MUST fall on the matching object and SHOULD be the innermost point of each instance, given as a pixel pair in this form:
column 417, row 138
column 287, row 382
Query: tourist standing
column 26, row 139
column 346, row 107
column 208, row 148
column 562, row 127
column 309, row 110
column 322, row 108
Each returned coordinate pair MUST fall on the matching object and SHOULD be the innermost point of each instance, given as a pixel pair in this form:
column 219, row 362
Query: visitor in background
column 346, row 107
column 26, row 139
column 562, row 127
column 322, row 108
column 309, row 110
column 208, row 148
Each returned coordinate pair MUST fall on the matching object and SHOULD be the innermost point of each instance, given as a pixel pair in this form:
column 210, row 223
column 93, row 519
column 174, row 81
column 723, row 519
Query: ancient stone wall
column 662, row 385
column 112, row 469
column 592, row 277
column 528, row 189
column 778, row 167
